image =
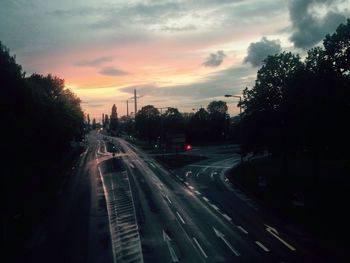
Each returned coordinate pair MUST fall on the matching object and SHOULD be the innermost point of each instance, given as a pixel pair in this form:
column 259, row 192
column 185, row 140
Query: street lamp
column 240, row 121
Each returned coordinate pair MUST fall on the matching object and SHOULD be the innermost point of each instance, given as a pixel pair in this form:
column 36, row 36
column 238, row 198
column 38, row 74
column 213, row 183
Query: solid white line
column 131, row 165
column 262, row 246
column 227, row 217
column 200, row 248
column 198, row 193
column 205, row 199
column 242, row 229
column 182, row 220
column 173, row 254
column 168, row 199
column 215, row 207
column 284, row 242
column 231, row 248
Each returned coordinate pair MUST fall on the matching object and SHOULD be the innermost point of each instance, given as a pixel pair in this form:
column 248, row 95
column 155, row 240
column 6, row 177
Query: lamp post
column 240, row 121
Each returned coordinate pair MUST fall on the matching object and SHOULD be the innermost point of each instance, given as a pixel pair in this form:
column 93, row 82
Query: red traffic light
column 188, row 147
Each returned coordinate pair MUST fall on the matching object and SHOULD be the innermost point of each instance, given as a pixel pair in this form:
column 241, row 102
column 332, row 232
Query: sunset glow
column 158, row 48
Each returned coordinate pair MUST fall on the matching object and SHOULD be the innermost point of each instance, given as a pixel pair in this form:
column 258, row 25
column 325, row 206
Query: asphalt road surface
column 190, row 215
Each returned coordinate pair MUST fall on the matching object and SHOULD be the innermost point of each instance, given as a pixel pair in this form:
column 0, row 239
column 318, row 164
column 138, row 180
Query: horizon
column 180, row 54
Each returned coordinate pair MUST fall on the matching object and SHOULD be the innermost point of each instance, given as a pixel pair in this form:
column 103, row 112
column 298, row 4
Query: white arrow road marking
column 222, row 237
column 200, row 248
column 182, row 220
column 173, row 255
column 275, row 233
column 262, row 246
column 188, row 173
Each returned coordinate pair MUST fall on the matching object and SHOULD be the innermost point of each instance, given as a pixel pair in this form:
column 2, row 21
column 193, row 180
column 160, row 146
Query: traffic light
column 188, row 147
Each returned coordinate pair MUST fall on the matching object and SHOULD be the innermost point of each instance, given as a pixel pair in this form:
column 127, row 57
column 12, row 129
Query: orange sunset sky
column 180, row 54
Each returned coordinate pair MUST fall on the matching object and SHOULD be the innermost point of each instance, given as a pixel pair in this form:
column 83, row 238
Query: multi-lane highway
column 190, row 215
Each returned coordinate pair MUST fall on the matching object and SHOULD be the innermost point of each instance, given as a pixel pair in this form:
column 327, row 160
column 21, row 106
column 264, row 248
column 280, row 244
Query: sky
column 181, row 54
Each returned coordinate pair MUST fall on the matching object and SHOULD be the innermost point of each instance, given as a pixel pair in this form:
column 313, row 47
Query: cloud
column 313, row 19
column 227, row 81
column 94, row 62
column 215, row 59
column 258, row 51
column 110, row 71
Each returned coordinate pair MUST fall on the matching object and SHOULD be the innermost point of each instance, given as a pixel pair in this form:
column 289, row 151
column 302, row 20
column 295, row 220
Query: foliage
column 113, row 122
column 147, row 123
column 40, row 120
column 301, row 105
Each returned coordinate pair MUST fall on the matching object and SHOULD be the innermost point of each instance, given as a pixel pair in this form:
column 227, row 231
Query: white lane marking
column 159, row 186
column 198, row 193
column 200, row 248
column 197, row 174
column 152, row 165
column 168, row 199
column 131, row 165
column 191, row 187
column 215, row 207
column 242, row 229
column 167, row 239
column 262, row 246
column 186, row 183
column 182, row 220
column 222, row 237
column 181, row 179
column 205, row 199
column 227, row 217
column 274, row 232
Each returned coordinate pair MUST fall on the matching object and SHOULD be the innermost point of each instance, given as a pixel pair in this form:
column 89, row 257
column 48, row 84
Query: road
column 190, row 215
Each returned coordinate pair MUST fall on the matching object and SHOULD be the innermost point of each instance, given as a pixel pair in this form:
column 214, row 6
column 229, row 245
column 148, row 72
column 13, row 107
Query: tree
column 218, row 119
column 42, row 117
column 173, row 121
column 113, row 126
column 264, row 116
column 147, row 123
column 198, row 126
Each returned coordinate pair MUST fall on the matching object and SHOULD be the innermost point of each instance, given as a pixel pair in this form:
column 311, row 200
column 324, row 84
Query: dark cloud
column 313, row 19
column 258, row 51
column 94, row 62
column 215, row 59
column 110, row 71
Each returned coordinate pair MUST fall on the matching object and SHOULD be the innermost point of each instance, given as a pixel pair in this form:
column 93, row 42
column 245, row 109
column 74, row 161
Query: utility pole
column 135, row 98
column 127, row 108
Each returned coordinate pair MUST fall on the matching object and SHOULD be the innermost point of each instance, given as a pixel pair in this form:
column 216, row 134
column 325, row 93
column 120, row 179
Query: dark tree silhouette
column 147, row 123
column 114, row 125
